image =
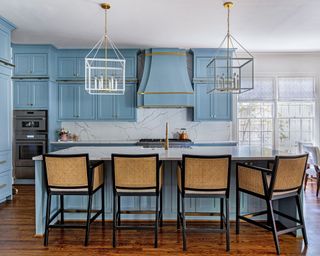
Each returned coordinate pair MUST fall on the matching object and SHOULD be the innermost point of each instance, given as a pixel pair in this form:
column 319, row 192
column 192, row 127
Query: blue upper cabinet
column 118, row 107
column 71, row 65
column 70, row 68
column 126, row 104
column 34, row 61
column 28, row 94
column 213, row 106
column 31, row 65
column 75, row 103
column 5, row 40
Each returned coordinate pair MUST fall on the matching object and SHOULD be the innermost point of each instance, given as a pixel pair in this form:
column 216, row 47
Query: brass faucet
column 166, row 142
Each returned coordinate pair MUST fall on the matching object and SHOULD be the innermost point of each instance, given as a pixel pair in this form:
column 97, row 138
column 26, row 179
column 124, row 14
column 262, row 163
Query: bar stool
column 72, row 175
column 136, row 175
column 204, row 177
column 284, row 181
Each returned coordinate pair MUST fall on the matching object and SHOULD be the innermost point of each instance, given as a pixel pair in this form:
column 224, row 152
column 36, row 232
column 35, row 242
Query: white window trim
column 275, row 77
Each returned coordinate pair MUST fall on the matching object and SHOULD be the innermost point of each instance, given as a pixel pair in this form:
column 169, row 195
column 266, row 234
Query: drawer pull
column 3, row 186
column 3, row 161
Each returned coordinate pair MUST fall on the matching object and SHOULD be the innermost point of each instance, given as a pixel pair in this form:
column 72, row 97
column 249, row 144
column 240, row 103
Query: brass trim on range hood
column 141, row 93
column 166, row 106
column 165, row 53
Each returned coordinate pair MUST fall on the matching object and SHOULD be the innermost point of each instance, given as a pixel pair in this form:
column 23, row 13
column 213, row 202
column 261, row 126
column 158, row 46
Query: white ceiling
column 260, row 25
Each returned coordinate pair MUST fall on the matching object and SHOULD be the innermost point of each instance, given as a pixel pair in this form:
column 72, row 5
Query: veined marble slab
column 237, row 152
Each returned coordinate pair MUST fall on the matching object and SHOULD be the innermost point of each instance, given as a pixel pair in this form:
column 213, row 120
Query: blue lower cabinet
column 75, row 103
column 118, row 107
column 30, row 94
column 213, row 106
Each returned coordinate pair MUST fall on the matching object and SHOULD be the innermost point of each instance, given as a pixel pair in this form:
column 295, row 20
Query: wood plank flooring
column 17, row 236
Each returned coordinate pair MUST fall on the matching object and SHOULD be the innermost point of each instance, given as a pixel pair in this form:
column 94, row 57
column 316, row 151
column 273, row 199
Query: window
column 277, row 120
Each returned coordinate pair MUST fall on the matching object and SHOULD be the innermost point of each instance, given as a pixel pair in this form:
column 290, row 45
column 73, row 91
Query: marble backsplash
column 151, row 124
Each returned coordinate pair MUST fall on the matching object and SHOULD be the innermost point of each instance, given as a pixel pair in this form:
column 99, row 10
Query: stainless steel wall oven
column 30, row 139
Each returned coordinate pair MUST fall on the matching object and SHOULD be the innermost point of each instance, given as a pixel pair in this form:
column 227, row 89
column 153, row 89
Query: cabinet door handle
column 74, row 74
column 3, row 161
column 3, row 186
column 30, row 71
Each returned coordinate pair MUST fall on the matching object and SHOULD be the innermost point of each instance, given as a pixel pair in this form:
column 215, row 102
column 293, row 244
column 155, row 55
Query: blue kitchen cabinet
column 31, row 64
column 4, row 45
column 5, row 40
column 75, row 103
column 5, row 108
column 213, row 106
column 30, row 94
column 126, row 104
column 106, row 107
column 118, row 107
column 70, row 68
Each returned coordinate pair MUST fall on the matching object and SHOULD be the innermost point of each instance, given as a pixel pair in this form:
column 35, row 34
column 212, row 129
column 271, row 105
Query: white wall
column 151, row 122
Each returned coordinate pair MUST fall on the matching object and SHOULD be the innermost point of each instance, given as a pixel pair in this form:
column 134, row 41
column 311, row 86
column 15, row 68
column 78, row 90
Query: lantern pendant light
column 105, row 67
column 231, row 68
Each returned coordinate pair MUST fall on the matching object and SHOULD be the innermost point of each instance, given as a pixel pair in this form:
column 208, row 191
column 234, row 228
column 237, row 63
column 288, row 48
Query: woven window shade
column 263, row 90
column 297, row 88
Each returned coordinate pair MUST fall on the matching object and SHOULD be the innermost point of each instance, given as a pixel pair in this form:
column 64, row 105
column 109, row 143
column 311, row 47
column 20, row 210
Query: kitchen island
column 257, row 156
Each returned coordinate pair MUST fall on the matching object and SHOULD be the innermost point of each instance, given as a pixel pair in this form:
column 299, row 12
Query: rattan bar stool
column 136, row 175
column 204, row 177
column 283, row 181
column 72, row 175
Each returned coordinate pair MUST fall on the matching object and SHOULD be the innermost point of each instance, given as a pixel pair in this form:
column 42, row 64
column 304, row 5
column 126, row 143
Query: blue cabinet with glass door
column 29, row 94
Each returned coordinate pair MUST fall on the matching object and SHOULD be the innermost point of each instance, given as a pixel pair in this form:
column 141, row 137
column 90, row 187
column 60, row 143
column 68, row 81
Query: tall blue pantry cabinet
column 5, row 110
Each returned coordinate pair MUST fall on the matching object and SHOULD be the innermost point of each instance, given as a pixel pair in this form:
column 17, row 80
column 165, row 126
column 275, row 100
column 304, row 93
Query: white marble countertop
column 237, row 152
column 130, row 142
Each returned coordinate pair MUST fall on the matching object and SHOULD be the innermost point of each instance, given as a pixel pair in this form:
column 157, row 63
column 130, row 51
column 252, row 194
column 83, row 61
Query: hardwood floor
column 17, row 236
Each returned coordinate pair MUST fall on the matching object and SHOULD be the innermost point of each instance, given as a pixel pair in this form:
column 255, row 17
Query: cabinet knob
column 31, row 104
column 30, row 71
column 74, row 74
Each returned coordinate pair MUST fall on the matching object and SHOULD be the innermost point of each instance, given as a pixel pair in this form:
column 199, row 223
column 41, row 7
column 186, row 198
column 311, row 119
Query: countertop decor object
column 227, row 71
column 105, row 75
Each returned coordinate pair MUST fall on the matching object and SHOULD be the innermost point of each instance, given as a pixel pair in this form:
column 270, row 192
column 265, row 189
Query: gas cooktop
column 158, row 143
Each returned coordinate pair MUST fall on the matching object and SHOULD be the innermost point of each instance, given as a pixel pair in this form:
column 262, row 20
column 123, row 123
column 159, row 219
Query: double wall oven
column 30, row 139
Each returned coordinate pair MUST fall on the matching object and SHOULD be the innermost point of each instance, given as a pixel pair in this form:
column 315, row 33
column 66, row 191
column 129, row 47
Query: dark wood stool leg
column 62, row 209
column 102, row 206
column 178, row 208
column 221, row 213
column 273, row 226
column 227, row 225
column 318, row 183
column 237, row 212
column 161, row 207
column 46, row 234
column 301, row 218
column 88, row 220
column 119, row 210
column 184, row 226
column 114, row 221
column 156, row 223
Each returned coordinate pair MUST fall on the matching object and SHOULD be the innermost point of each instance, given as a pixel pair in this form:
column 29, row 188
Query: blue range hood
column 165, row 81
